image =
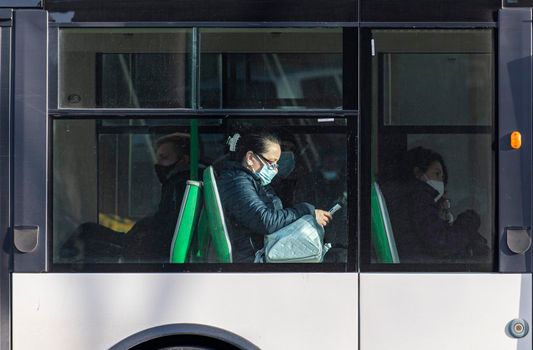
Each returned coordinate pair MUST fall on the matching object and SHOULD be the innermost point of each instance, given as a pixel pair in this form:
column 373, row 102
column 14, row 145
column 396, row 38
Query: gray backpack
column 300, row 242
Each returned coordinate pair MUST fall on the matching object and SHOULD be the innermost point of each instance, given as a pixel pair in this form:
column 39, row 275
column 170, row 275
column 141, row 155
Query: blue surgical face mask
column 267, row 173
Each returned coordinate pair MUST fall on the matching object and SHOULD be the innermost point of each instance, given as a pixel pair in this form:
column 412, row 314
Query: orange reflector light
column 516, row 140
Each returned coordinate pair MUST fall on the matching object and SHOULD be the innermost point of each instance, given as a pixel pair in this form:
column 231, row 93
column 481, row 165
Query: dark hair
column 256, row 142
column 421, row 158
column 181, row 142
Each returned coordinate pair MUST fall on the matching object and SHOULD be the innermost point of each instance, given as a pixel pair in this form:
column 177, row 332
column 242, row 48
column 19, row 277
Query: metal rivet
column 517, row 328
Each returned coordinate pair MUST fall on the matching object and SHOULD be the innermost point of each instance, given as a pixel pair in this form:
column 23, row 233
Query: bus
column 413, row 119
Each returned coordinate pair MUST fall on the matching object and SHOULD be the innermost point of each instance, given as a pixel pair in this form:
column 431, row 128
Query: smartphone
column 335, row 208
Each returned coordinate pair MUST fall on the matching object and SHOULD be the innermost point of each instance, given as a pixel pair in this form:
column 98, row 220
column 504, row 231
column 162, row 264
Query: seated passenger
column 150, row 238
column 251, row 207
column 418, row 207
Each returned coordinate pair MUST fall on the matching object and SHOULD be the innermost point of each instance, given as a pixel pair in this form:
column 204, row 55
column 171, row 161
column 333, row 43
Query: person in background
column 150, row 238
column 418, row 206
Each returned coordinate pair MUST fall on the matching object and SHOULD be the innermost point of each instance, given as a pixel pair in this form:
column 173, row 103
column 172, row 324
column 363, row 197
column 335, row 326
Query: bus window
column 271, row 68
column 116, row 190
column 125, row 68
column 119, row 186
column 432, row 160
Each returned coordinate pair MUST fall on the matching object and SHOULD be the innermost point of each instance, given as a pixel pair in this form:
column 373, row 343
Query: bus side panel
column 30, row 139
column 5, row 183
column 443, row 311
column 515, row 109
column 273, row 311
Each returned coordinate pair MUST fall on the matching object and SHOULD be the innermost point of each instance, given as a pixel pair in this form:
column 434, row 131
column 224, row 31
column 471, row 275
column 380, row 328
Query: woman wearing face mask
column 251, row 206
column 423, row 227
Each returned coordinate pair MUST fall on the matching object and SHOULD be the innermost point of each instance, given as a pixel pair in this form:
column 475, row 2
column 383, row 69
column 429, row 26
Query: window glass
column 125, row 68
column 119, row 186
column 415, row 84
column 432, row 190
column 420, row 78
column 271, row 68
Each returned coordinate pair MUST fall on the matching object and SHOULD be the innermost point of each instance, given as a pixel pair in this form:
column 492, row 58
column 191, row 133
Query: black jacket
column 149, row 240
column 421, row 235
column 252, row 210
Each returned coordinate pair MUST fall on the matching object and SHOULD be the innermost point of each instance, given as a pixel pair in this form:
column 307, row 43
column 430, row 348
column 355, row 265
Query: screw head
column 517, row 328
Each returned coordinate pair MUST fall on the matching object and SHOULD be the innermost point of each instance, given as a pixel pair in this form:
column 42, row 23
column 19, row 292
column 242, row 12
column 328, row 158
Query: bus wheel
column 183, row 342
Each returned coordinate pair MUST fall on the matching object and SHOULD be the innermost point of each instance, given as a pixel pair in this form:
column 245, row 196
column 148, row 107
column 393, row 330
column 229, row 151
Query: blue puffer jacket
column 252, row 210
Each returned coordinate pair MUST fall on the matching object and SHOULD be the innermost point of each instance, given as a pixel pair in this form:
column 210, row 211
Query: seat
column 213, row 220
column 188, row 218
column 201, row 234
column 382, row 234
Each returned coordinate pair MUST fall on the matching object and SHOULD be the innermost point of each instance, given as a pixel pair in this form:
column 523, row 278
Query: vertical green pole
column 195, row 141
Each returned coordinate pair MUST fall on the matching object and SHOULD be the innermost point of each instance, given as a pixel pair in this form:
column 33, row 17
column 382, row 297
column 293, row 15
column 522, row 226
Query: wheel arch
column 199, row 332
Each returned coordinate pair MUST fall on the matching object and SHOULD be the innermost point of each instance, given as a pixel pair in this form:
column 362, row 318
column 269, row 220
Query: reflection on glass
column 271, row 68
column 125, row 68
column 437, row 89
column 125, row 208
column 118, row 188
column 142, row 80
column 434, row 77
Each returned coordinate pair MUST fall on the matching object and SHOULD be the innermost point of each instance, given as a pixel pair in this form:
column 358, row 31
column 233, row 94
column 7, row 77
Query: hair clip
column 232, row 142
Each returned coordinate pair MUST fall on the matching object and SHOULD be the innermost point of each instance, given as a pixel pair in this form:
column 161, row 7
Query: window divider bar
column 429, row 25
column 158, row 113
column 202, row 24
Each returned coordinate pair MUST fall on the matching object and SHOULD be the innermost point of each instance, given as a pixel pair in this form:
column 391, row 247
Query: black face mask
column 163, row 171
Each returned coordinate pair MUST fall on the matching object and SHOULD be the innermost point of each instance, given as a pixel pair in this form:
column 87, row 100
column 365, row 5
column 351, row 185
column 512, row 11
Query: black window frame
column 203, row 10
column 350, row 40
column 350, row 130
column 349, row 112
column 365, row 150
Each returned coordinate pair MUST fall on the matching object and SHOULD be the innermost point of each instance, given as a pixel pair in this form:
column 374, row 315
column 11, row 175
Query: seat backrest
column 202, row 244
column 191, row 206
column 216, row 224
column 382, row 234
